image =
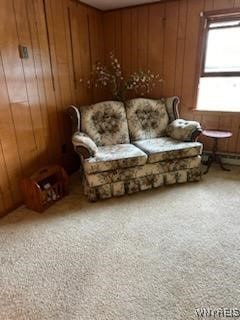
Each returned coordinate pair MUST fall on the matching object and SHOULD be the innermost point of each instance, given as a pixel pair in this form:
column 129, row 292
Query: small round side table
column 214, row 157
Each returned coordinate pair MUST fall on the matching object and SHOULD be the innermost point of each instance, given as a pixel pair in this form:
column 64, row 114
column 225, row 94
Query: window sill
column 217, row 110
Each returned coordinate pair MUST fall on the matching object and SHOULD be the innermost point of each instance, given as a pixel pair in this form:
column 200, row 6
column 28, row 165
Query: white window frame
column 208, row 18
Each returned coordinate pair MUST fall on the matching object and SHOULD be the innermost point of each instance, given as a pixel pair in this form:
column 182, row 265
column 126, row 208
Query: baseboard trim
column 228, row 158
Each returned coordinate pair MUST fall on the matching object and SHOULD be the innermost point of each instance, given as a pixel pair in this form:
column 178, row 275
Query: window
column 219, row 84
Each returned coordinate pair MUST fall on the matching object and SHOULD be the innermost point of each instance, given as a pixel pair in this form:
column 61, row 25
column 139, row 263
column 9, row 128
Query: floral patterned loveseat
column 142, row 144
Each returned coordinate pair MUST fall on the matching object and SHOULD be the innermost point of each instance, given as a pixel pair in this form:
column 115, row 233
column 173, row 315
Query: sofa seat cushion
column 114, row 157
column 147, row 118
column 165, row 148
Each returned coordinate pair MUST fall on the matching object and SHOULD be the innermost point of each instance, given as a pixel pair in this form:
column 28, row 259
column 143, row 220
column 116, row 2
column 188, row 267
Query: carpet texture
column 157, row 254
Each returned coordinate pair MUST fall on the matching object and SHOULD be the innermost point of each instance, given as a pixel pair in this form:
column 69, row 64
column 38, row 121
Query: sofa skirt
column 130, row 186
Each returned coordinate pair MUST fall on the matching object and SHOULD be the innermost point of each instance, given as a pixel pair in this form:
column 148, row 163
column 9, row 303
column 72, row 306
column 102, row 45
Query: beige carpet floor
column 154, row 255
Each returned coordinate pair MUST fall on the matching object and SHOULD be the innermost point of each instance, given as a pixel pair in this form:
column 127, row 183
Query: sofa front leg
column 92, row 195
column 195, row 175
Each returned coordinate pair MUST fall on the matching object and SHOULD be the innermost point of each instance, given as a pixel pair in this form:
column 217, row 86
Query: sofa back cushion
column 147, row 118
column 105, row 123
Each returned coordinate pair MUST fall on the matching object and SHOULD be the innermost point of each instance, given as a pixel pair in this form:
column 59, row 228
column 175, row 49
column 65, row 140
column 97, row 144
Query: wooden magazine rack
column 45, row 187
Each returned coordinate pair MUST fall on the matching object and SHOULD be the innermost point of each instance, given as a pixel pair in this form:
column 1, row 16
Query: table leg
column 212, row 157
column 208, row 163
column 219, row 160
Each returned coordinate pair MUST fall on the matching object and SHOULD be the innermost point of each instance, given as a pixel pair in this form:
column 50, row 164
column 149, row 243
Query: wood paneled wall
column 164, row 37
column 63, row 37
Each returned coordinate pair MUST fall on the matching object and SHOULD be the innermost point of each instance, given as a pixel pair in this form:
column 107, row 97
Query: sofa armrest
column 172, row 105
column 84, row 145
column 184, row 130
column 75, row 117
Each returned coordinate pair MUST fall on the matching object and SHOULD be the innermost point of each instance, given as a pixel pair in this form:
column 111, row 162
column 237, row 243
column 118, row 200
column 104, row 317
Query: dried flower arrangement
column 111, row 77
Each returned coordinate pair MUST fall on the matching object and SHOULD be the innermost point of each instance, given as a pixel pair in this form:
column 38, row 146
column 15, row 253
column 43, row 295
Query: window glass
column 223, row 50
column 219, row 83
column 219, row 94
